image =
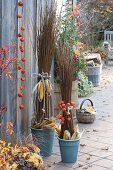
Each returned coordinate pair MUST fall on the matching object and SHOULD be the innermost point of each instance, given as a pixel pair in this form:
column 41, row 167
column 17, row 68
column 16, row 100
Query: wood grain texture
column 9, row 28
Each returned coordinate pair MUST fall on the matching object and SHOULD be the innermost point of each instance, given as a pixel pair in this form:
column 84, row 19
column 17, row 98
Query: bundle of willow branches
column 66, row 70
column 46, row 38
column 46, row 44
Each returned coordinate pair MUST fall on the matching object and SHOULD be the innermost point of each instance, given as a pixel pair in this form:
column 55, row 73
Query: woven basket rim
column 85, row 113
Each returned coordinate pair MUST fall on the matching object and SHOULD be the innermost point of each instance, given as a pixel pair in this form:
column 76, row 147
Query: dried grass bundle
column 46, row 44
column 46, row 38
column 66, row 72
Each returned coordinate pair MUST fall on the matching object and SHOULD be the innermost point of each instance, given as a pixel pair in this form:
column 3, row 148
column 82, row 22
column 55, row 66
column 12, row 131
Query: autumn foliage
column 19, row 157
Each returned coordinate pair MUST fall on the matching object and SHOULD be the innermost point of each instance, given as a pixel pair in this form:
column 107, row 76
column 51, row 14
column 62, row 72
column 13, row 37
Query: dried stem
column 66, row 72
column 46, row 43
column 46, row 37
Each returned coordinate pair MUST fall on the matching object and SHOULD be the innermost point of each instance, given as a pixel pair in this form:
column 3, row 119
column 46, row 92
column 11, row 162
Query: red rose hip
column 19, row 16
column 22, row 39
column 19, row 35
column 21, row 87
column 23, row 59
column 23, row 71
column 22, row 78
column 20, row 3
column 19, row 67
column 68, row 104
column 20, row 95
column 21, row 107
column 23, row 28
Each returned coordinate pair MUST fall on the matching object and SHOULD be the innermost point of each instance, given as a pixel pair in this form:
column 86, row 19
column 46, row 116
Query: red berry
column 23, row 28
column 19, row 35
column 21, row 48
column 21, row 87
column 21, row 107
column 19, row 67
column 63, row 105
column 20, row 3
column 59, row 116
column 68, row 104
column 19, row 16
column 23, row 71
column 20, row 95
column 22, row 39
column 72, row 104
column 22, row 78
column 23, row 59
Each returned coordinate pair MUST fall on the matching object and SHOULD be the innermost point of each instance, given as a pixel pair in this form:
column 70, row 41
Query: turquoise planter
column 43, row 138
column 69, row 150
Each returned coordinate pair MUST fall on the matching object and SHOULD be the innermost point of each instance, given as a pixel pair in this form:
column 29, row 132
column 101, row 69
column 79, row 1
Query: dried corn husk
column 90, row 109
column 76, row 132
column 48, row 86
column 66, row 135
column 58, row 129
column 40, row 90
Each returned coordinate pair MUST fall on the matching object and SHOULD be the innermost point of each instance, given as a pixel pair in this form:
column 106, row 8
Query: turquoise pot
column 69, row 150
column 43, row 138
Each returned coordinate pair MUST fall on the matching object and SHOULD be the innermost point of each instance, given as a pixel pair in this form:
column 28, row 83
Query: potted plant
column 85, row 87
column 42, row 122
column 94, row 66
column 68, row 36
column 68, row 134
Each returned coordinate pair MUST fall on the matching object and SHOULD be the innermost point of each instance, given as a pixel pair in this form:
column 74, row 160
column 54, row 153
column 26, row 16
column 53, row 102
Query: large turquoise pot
column 69, row 150
column 43, row 138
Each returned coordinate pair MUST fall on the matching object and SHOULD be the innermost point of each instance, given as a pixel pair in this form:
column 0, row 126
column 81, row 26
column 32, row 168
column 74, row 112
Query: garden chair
column 108, row 44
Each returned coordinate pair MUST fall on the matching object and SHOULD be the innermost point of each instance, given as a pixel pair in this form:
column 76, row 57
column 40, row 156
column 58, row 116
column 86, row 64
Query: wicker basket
column 83, row 116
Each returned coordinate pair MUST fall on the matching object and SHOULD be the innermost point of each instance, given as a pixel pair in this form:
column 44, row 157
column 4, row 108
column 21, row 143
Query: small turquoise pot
column 43, row 138
column 69, row 150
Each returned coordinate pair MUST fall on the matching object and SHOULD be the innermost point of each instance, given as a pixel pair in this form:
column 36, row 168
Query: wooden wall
column 9, row 28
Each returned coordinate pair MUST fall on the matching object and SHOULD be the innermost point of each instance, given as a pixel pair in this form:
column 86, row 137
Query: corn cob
column 40, row 90
column 48, row 86
column 58, row 131
column 66, row 135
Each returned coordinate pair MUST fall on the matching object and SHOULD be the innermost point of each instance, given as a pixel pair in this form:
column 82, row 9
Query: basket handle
column 84, row 102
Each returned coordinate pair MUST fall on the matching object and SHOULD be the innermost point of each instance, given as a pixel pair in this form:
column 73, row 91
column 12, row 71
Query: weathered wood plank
column 9, row 28
column 9, row 32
